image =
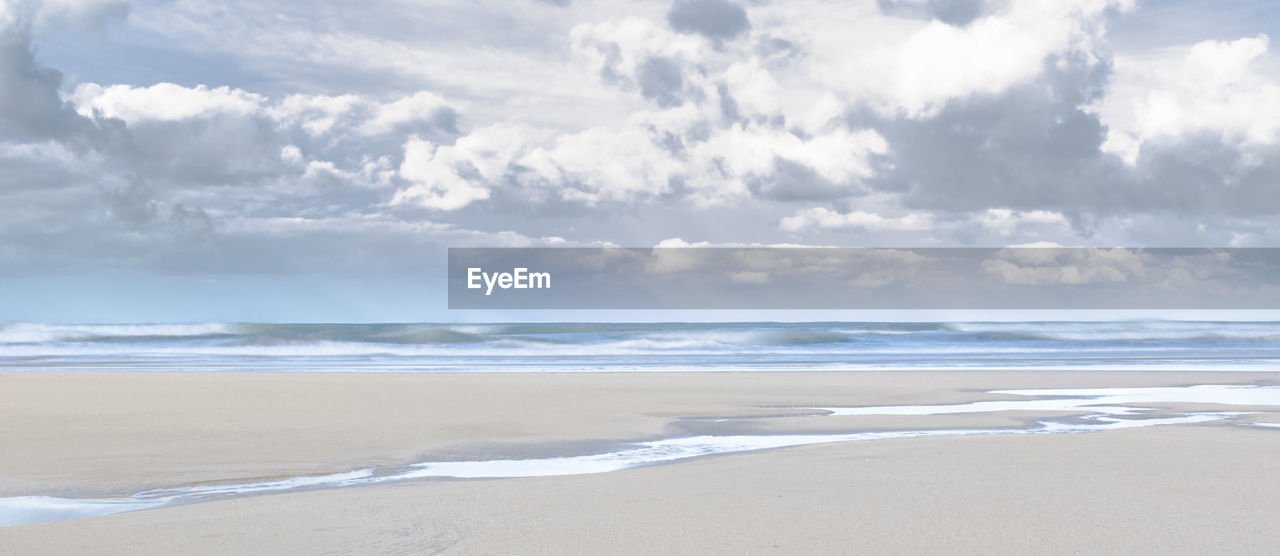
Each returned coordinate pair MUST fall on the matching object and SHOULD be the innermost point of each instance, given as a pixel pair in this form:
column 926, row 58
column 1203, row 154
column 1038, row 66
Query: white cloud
column 913, row 69
column 322, row 114
column 1040, row 266
column 747, row 277
column 1211, row 88
column 618, row 48
column 382, row 224
column 730, row 160
column 236, row 116
column 449, row 177
column 643, row 132
column 672, row 242
column 422, row 106
column 629, row 164
column 290, row 154
column 820, row 217
column 374, row 173
column 163, row 101
column 602, row 164
column 317, row 114
column 1006, row 222
column 688, row 141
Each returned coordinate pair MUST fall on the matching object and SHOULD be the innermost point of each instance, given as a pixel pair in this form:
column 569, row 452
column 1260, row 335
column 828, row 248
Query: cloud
column 95, row 13
column 317, row 114
column 820, row 217
column 373, row 173
column 651, row 156
column 240, row 135
column 716, row 135
column 191, row 222
column 449, row 177
column 661, row 81
column 951, row 12
column 1045, row 145
column 1029, row 148
column 163, row 102
column 1036, row 266
column 30, row 104
column 141, row 160
column 1006, row 222
column 747, row 277
column 715, row 19
column 422, row 107
column 638, row 54
column 227, row 136
column 132, row 204
column 602, row 164
column 1214, row 90
column 917, row 69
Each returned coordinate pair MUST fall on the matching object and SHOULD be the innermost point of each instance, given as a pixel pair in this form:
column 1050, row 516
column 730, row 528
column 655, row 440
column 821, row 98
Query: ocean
column 581, row 347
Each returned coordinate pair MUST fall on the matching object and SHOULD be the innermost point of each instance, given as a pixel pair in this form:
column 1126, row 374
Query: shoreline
column 114, row 433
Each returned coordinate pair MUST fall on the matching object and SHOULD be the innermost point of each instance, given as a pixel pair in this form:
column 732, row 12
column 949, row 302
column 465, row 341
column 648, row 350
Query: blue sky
column 283, row 161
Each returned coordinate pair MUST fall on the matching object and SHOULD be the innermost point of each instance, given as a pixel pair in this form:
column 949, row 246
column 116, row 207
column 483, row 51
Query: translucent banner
column 864, row 278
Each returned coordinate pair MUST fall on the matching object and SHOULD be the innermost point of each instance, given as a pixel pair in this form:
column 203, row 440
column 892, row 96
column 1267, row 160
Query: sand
column 1183, row 488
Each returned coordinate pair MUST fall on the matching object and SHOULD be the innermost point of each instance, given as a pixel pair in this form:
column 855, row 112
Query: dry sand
column 1184, row 488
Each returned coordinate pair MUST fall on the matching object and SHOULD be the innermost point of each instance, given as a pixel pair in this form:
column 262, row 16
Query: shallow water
column 1101, row 409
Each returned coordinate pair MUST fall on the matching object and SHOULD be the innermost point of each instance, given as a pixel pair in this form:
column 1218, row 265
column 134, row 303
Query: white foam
column 31, row 332
column 231, row 489
column 1092, row 400
column 664, row 451
column 1203, row 394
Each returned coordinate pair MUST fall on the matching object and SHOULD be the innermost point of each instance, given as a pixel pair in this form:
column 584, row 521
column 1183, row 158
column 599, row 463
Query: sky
column 181, row 160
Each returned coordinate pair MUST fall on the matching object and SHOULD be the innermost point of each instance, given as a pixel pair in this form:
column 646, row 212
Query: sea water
column 1132, row 345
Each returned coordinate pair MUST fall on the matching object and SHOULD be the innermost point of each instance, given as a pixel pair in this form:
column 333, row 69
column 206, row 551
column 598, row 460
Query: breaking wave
column 640, row 346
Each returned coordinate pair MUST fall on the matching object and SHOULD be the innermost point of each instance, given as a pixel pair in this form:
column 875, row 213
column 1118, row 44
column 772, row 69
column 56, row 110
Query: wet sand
column 1201, row 487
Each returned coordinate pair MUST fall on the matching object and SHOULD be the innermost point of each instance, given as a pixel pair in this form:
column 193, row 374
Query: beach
column 1180, row 487
column 612, row 277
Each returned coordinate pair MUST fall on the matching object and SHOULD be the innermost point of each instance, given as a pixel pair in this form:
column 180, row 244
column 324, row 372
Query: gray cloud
column 792, row 181
column 954, row 12
column 219, row 150
column 1199, row 175
column 777, row 49
column 132, row 204
column 688, row 132
column 191, row 223
column 1030, row 147
column 1034, row 147
column 30, row 104
column 718, row 20
column 661, row 81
